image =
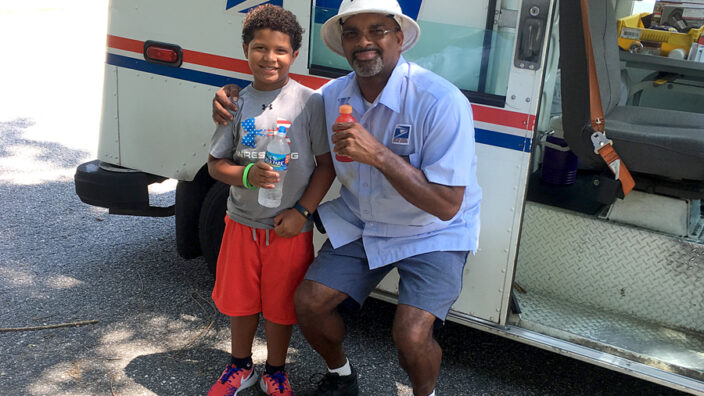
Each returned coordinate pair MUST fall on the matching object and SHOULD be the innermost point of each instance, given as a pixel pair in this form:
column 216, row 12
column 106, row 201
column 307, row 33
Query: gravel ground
column 157, row 332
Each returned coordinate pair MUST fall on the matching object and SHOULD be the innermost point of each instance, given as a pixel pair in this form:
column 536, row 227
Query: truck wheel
column 187, row 211
column 211, row 225
column 189, row 198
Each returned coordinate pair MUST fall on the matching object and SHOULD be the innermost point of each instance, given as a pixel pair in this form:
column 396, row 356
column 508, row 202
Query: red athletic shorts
column 252, row 277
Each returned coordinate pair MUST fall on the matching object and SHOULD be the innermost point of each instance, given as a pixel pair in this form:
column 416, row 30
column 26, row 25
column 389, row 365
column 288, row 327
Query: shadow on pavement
column 200, row 365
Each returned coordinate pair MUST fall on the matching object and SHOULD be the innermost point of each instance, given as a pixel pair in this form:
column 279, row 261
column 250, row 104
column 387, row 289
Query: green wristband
column 245, row 181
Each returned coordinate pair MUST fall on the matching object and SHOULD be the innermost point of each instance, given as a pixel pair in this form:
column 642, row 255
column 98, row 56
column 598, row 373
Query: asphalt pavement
column 149, row 324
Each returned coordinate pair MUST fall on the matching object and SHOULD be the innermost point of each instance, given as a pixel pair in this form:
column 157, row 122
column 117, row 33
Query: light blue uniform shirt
column 427, row 120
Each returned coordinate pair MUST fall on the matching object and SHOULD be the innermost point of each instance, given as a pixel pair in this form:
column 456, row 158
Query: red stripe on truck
column 486, row 114
column 503, row 117
column 125, row 44
column 210, row 60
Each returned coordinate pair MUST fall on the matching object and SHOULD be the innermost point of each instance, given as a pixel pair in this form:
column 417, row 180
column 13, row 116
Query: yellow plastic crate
column 631, row 29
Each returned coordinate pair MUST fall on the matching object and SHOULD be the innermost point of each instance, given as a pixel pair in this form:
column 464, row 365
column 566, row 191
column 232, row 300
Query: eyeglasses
column 372, row 34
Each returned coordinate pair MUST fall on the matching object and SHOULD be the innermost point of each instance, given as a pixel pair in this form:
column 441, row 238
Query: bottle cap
column 346, row 109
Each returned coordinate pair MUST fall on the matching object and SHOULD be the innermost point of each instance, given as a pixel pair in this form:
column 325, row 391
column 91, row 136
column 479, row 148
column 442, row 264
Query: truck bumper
column 121, row 190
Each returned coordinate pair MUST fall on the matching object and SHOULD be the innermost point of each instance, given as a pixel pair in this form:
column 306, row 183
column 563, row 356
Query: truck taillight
column 163, row 53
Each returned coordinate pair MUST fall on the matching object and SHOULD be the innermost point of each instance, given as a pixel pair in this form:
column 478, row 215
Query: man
column 409, row 200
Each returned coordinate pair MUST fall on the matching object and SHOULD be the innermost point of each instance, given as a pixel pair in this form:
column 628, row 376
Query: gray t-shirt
column 245, row 140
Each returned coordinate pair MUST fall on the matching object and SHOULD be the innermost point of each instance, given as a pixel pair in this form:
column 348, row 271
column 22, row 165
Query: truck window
column 470, row 47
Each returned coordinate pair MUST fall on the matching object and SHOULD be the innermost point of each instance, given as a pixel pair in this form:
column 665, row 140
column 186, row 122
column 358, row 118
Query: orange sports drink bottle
column 345, row 116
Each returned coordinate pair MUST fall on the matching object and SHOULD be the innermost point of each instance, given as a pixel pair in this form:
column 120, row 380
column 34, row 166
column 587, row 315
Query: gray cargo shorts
column 429, row 281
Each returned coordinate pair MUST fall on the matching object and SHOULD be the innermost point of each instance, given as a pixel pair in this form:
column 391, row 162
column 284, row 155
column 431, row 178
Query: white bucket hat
column 332, row 28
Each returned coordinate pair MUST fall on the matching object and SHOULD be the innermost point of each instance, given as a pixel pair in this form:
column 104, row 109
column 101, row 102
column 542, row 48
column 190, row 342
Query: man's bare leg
column 418, row 352
column 319, row 321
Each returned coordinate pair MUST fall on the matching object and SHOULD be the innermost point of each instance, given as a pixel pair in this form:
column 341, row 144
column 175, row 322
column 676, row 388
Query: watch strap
column 305, row 212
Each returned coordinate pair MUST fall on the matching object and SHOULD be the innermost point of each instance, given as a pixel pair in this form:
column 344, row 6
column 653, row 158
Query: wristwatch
column 302, row 210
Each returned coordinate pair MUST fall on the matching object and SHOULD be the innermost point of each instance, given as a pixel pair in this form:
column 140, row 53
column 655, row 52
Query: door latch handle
column 531, row 34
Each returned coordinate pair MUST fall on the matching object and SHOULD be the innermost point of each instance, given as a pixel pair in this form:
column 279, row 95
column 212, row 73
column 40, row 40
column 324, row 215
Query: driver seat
column 660, row 147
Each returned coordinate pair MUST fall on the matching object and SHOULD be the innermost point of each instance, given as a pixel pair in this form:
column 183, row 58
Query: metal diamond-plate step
column 668, row 349
column 618, row 268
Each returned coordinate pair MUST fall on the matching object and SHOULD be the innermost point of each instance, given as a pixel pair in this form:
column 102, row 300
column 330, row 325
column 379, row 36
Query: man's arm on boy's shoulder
column 290, row 222
column 225, row 100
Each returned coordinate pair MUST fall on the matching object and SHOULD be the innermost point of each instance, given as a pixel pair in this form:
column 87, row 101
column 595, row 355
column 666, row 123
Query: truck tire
column 211, row 224
column 187, row 211
column 189, row 199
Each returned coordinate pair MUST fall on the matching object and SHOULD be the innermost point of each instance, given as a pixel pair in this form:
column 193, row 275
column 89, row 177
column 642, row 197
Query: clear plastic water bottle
column 277, row 156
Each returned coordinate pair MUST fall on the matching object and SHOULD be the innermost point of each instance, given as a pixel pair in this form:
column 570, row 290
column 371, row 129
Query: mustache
column 377, row 50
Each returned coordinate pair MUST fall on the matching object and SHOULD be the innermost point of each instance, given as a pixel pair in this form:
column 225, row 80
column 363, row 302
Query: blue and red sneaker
column 232, row 381
column 276, row 384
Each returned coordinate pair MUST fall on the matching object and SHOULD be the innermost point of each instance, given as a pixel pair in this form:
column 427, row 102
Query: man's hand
column 352, row 140
column 262, row 175
column 289, row 223
column 225, row 99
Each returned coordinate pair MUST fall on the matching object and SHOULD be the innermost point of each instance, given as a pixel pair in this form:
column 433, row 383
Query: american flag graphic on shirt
column 248, row 139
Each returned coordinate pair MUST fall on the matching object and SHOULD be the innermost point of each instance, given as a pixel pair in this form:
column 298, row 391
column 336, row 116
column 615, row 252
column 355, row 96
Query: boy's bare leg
column 319, row 321
column 242, row 329
column 418, row 352
column 278, row 338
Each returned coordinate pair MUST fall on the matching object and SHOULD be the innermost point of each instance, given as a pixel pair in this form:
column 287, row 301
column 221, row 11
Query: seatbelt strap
column 602, row 146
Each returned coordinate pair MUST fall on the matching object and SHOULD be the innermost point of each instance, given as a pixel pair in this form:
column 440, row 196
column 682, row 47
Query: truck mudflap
column 121, row 190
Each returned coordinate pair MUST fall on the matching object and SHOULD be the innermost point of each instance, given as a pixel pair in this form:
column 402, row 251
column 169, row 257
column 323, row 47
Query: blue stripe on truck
column 215, row 80
column 504, row 140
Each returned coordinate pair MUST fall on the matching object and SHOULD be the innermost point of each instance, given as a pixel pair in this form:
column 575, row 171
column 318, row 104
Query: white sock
column 344, row 370
column 432, row 394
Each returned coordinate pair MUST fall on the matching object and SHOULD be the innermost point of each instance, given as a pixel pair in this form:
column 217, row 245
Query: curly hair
column 268, row 16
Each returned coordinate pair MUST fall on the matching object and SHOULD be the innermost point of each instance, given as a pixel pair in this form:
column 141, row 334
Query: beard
column 368, row 68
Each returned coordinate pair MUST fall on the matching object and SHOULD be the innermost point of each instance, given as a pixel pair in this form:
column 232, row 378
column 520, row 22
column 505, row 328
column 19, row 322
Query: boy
column 259, row 271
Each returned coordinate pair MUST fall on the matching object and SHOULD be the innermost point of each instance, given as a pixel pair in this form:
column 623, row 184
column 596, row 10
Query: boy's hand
column 225, row 99
column 289, row 223
column 262, row 175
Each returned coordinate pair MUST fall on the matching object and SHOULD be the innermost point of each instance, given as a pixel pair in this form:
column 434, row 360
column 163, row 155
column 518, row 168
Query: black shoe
column 333, row 384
